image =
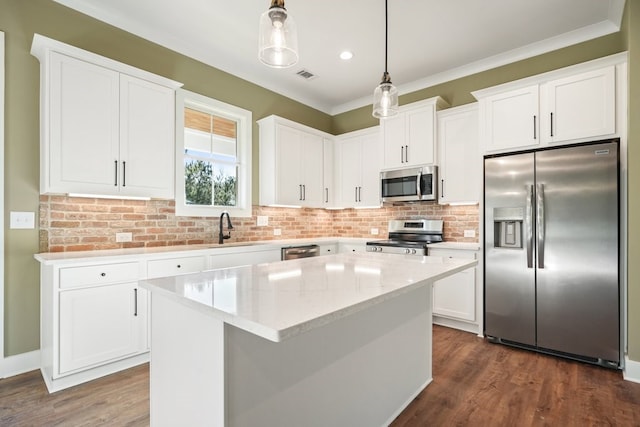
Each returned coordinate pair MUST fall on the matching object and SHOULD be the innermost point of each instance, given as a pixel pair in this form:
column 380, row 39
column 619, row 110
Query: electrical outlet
column 374, row 231
column 123, row 237
column 277, row 232
column 262, row 221
column 22, row 220
column 469, row 233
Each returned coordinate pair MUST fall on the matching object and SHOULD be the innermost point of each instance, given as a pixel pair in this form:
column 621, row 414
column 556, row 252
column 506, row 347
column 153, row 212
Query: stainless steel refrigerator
column 552, row 251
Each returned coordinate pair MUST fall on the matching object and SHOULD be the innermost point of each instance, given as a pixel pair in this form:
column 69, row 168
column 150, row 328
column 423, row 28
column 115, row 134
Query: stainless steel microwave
column 409, row 185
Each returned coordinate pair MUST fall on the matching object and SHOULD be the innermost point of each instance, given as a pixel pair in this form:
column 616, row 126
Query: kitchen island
column 337, row 340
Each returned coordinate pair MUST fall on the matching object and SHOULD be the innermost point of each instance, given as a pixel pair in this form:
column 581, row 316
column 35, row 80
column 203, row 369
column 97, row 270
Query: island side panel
column 187, row 366
column 363, row 369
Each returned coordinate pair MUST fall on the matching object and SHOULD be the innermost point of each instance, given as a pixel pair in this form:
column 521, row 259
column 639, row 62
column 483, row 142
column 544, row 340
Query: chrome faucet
column 223, row 236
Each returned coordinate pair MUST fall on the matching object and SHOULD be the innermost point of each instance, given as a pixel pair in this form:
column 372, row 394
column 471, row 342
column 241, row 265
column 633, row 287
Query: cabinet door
column 100, row 324
column 84, row 123
column 328, row 195
column 350, row 164
column 580, row 106
column 288, row 167
column 510, row 120
column 147, row 137
column 460, row 161
column 455, row 296
column 420, row 132
column 393, row 135
column 369, row 191
column 311, row 154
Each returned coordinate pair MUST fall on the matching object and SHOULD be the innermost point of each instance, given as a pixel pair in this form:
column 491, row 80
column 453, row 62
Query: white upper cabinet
column 357, row 161
column 580, row 106
column 460, row 160
column 106, row 128
column 511, row 119
column 329, row 190
column 409, row 138
column 571, row 105
column 291, row 164
column 146, row 138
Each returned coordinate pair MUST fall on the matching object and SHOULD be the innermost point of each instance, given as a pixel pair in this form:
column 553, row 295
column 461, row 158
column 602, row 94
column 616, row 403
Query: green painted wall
column 20, row 19
column 632, row 21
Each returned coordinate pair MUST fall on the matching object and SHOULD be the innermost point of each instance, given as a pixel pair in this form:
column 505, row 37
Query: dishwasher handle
column 294, row 252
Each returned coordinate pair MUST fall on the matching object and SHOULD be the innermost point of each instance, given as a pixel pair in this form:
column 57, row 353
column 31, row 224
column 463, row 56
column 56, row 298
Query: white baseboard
column 631, row 370
column 19, row 364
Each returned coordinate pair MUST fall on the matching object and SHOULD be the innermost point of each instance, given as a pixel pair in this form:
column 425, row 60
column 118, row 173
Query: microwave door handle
column 418, row 181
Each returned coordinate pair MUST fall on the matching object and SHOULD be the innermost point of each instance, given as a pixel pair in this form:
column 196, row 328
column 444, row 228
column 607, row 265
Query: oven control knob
column 378, row 249
column 413, row 251
column 407, row 251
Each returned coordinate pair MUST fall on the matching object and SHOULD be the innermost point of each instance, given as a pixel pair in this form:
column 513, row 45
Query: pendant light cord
column 386, row 34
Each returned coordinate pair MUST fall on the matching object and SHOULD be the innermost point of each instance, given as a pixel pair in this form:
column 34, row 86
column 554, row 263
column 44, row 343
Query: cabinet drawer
column 452, row 253
column 90, row 275
column 175, row 266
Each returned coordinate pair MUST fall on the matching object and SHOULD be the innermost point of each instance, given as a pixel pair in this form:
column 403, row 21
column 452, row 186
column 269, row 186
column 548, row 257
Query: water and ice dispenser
column 507, row 227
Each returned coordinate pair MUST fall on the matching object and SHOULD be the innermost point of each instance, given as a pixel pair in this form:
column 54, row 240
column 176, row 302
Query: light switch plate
column 374, row 231
column 262, row 221
column 22, row 220
column 469, row 233
column 123, row 237
column 277, row 232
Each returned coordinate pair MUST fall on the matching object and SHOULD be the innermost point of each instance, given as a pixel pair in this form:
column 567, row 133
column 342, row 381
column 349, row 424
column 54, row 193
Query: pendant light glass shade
column 385, row 96
column 385, row 99
column 278, row 38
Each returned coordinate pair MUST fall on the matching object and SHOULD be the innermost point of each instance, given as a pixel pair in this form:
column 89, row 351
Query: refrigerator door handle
column 528, row 226
column 540, row 223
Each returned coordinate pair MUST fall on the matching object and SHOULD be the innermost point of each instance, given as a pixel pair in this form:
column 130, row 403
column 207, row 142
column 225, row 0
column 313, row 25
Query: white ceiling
column 430, row 41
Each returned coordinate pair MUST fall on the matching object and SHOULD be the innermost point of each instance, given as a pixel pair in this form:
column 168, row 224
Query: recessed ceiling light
column 346, row 55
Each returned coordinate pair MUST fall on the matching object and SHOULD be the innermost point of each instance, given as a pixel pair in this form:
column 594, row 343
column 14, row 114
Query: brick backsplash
column 81, row 224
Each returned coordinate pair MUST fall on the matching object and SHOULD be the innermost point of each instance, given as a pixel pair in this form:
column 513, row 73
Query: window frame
column 244, row 140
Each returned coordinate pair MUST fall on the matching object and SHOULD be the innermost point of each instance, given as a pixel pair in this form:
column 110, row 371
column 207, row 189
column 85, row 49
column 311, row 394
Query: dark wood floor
column 475, row 384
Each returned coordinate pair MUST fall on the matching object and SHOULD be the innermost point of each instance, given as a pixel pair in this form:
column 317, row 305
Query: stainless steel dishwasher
column 295, row 252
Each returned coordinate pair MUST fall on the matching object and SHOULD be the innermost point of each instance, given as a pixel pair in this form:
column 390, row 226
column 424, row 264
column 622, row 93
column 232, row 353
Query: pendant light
column 385, row 96
column 278, row 39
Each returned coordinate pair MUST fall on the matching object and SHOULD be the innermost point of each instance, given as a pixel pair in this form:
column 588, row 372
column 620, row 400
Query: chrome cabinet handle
column 356, row 197
column 326, row 197
column 535, row 136
column 116, row 173
column 135, row 301
column 406, row 154
column 442, row 188
column 551, row 120
column 124, row 174
column 540, row 224
column 401, row 154
column 528, row 225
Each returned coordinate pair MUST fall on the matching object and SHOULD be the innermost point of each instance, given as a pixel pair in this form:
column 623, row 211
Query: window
column 213, row 157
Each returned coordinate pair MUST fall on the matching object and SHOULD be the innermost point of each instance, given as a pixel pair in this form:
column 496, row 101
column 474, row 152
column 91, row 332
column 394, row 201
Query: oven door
column 409, row 185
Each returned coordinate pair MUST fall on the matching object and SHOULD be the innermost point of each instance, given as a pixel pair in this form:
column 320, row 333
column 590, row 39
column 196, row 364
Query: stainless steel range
column 409, row 236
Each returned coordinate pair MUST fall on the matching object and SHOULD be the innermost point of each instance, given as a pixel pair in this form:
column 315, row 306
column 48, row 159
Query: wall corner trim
column 19, row 364
column 631, row 370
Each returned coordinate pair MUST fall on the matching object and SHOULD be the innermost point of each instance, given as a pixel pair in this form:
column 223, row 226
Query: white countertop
column 282, row 299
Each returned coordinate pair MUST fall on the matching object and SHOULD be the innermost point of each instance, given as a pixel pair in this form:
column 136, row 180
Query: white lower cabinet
column 175, row 266
column 328, row 249
column 345, row 248
column 455, row 297
column 100, row 324
column 93, row 321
